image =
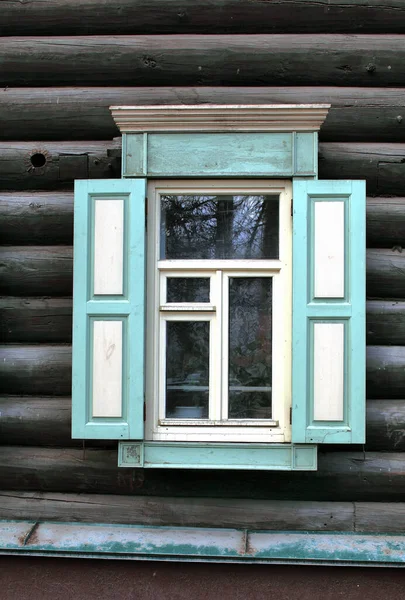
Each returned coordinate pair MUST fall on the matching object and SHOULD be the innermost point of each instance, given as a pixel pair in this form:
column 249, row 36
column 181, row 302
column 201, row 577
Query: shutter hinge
column 144, row 411
column 146, row 213
column 290, row 415
column 292, row 207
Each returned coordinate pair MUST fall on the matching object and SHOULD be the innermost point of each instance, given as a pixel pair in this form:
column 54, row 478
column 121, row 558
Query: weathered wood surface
column 357, row 114
column 292, row 59
column 341, row 476
column 63, row 162
column 204, row 512
column 36, row 370
column 383, row 165
column 385, row 368
column 386, row 425
column 36, row 270
column 46, row 421
column 36, row 218
column 90, row 17
column 47, row 218
column 49, row 320
column 197, row 512
column 385, row 322
column 385, row 273
column 385, row 222
column 35, row 320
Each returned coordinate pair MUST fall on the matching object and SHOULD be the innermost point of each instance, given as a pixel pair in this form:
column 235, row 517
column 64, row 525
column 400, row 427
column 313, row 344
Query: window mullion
column 225, row 344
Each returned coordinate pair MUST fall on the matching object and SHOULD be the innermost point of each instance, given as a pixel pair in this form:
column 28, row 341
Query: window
column 230, row 333
column 219, row 311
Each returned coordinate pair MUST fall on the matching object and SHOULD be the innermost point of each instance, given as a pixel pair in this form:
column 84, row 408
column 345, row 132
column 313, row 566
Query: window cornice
column 220, row 118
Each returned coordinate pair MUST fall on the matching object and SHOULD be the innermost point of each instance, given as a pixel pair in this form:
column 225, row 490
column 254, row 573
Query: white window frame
column 156, row 426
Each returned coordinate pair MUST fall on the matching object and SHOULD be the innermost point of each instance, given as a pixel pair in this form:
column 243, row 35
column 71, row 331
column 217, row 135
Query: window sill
column 186, row 455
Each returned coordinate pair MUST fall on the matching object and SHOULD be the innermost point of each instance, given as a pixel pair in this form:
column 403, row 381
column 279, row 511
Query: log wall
column 63, row 63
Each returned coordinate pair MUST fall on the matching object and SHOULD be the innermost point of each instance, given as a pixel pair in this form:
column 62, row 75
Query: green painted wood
column 349, row 310
column 129, row 309
column 183, row 455
column 199, row 543
column 219, row 155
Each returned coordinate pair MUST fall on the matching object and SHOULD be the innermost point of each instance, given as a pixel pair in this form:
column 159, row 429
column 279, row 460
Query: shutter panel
column 108, row 309
column 328, row 400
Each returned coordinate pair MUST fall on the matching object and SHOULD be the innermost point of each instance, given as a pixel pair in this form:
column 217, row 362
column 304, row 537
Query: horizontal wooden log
column 47, row 271
column 36, row 369
column 35, row 320
column 47, row 218
column 357, row 114
column 323, row 59
column 385, row 222
column 90, row 17
column 46, row 421
column 341, row 476
column 385, row 322
column 204, row 512
column 386, row 273
column 36, row 270
column 197, row 512
column 385, row 371
column 51, row 165
column 36, row 218
column 383, row 165
column 386, row 425
column 49, row 320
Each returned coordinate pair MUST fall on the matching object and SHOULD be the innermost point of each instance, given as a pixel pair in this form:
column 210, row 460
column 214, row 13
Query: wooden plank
column 206, row 512
column 47, row 218
column 341, row 476
column 379, row 517
column 355, row 60
column 108, row 267
column 385, row 322
column 35, row 320
column 90, row 17
column 107, row 350
column 77, row 113
column 35, row 370
column 39, row 166
column 385, row 271
column 36, row 270
column 385, row 367
column 385, row 222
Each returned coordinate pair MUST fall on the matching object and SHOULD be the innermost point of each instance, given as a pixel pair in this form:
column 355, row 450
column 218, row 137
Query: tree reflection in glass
column 250, row 347
column 219, row 227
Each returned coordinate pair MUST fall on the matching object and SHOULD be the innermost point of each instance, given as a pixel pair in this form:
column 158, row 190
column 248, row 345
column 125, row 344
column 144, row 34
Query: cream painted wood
column 328, row 371
column 220, row 118
column 276, row 430
column 329, row 249
column 108, row 247
column 107, row 369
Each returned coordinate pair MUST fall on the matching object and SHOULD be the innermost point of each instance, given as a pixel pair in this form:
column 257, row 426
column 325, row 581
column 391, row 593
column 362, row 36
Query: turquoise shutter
column 108, row 309
column 328, row 400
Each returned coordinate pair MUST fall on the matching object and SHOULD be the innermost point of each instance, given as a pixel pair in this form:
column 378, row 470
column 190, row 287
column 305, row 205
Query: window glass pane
column 187, row 369
column 188, row 289
column 219, row 227
column 250, row 347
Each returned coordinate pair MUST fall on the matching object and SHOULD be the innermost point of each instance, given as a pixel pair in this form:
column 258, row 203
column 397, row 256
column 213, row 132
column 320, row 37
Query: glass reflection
column 188, row 289
column 219, row 227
